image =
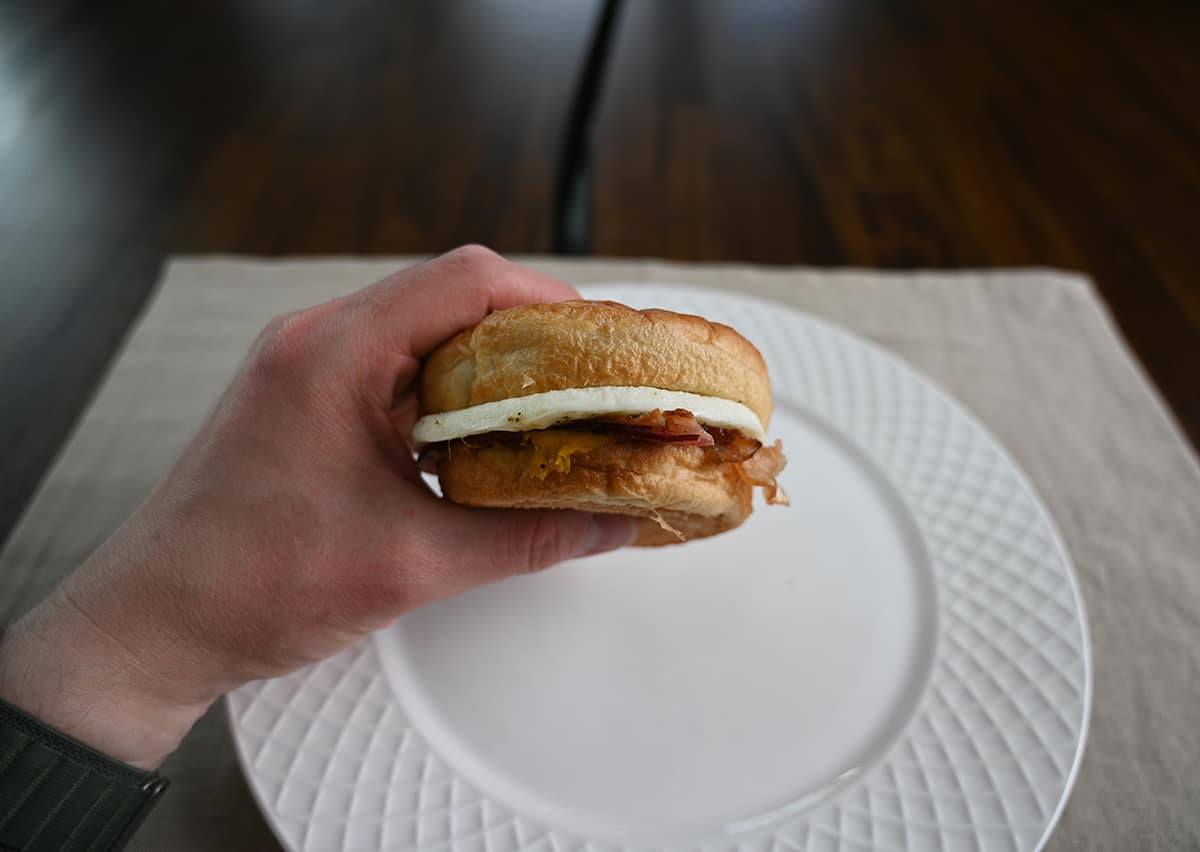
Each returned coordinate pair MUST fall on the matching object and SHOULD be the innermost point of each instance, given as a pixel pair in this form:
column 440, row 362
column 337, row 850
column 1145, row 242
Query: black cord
column 573, row 186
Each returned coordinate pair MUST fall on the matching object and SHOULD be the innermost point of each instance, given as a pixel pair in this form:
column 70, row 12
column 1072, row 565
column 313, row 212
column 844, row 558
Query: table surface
column 875, row 134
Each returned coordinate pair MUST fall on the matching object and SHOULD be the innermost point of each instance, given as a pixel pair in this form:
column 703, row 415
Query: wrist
column 60, row 668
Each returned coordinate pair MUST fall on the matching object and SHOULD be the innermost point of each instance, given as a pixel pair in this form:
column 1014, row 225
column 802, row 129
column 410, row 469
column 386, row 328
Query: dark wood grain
column 393, row 128
column 133, row 130
column 919, row 133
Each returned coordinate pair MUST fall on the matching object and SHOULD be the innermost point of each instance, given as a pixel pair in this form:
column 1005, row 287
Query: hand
column 293, row 525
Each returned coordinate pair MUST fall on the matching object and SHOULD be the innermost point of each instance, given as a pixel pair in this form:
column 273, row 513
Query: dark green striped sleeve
column 59, row 794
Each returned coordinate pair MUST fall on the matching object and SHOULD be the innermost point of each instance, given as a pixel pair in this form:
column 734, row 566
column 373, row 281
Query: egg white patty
column 554, row 408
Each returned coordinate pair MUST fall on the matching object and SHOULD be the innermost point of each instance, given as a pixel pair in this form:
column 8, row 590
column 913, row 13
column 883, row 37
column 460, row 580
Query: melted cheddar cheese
column 552, row 450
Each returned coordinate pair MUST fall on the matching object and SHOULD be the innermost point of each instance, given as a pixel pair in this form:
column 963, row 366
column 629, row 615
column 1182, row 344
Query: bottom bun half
column 677, row 493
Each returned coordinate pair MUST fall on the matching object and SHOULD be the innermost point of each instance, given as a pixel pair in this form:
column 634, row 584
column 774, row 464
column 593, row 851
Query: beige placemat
column 1032, row 353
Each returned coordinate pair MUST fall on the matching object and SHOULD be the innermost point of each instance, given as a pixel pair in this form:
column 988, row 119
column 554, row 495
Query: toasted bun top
column 534, row 348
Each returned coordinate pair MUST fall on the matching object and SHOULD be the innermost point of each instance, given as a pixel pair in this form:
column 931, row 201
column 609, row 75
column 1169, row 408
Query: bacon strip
column 762, row 468
column 730, row 445
column 678, row 427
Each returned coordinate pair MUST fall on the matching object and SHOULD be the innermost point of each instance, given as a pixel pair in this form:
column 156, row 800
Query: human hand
column 294, row 524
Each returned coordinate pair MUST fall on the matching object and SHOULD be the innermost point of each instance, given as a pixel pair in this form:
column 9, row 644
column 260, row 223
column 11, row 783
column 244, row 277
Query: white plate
column 897, row 661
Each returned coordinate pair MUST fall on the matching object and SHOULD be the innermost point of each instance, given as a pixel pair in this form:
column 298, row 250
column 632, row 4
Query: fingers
column 418, row 308
column 467, row 547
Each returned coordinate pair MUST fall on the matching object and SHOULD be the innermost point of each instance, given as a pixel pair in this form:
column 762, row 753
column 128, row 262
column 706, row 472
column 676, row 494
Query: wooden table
column 884, row 133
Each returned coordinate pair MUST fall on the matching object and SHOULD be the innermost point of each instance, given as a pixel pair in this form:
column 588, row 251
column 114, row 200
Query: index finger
column 420, row 307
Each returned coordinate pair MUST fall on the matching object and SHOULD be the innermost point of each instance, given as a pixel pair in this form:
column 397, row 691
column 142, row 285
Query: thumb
column 470, row 547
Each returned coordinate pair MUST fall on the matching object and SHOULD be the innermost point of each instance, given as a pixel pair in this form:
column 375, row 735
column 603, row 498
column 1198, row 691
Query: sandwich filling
column 557, row 425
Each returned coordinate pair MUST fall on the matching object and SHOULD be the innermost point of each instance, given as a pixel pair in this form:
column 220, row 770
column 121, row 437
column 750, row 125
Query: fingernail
column 608, row 532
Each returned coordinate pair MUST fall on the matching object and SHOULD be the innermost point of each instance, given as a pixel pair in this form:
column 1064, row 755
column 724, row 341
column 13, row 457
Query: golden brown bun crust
column 685, row 486
column 535, row 348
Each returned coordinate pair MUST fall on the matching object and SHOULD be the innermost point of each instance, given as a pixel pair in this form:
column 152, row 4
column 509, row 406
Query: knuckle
column 287, row 341
column 474, row 258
